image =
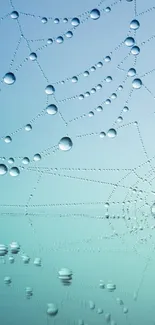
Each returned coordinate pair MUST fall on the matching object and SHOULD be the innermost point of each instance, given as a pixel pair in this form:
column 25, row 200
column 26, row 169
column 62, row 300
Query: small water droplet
column 14, row 171
column 75, row 21
column 33, row 56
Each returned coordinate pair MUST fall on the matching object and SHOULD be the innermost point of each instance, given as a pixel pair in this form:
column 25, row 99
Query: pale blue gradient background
column 82, row 239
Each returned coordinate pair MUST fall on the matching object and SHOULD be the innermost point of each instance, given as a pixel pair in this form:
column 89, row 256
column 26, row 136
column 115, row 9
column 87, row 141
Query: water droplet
column 113, row 96
column 33, row 56
column 99, row 109
column 51, row 109
column 65, row 275
column 74, row 79
column 107, row 59
column 49, row 41
column 125, row 109
column 9, row 78
column 52, row 309
column 37, row 261
column 100, row 311
column 10, row 160
column 29, row 292
column 108, row 317
column 14, row 171
column 86, row 73
column 92, row 69
column 28, row 127
column 93, row 91
column 153, row 209
column 101, row 284
column 135, row 50
column 137, row 83
column 134, row 24
column 120, row 119
column 3, row 169
column 91, row 114
column 44, row 20
column 125, row 310
column 111, row 133
column 3, row 250
column 65, row 20
column 69, row 34
column 81, row 96
column 26, row 259
column 56, row 21
column 102, row 134
column 7, row 280
column 11, row 259
column 59, row 39
column 75, row 21
column 129, row 41
column 107, row 9
column 25, row 160
column 65, row 144
column 91, row 305
column 119, row 301
column 49, row 90
column 95, row 14
column 99, row 64
column 131, row 72
column 37, row 157
column 7, row 139
column 111, row 287
column 14, row 14
column 14, row 248
column 99, row 86
column 108, row 79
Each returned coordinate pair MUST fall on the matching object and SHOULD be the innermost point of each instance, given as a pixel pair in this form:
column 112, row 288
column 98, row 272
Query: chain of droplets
column 85, row 13
column 43, row 111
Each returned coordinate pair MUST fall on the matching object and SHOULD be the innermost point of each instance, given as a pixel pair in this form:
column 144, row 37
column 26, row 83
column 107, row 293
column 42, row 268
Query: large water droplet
column 134, row 24
column 65, row 144
column 137, row 83
column 111, row 133
column 49, row 90
column 135, row 50
column 59, row 39
column 9, row 78
column 52, row 309
column 3, row 169
column 51, row 109
column 129, row 41
column 14, row 171
column 95, row 14
column 14, row 14
column 75, row 21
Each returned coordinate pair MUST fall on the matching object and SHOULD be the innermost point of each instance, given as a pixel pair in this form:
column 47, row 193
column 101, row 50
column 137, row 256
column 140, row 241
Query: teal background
column 56, row 207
